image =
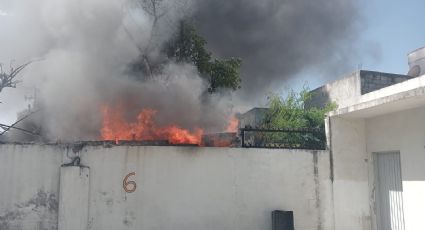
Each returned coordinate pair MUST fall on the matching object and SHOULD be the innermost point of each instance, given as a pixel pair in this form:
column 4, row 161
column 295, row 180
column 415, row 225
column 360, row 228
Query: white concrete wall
column 353, row 140
column 404, row 132
column 343, row 92
column 351, row 174
column 74, row 198
column 177, row 187
column 203, row 188
column 29, row 184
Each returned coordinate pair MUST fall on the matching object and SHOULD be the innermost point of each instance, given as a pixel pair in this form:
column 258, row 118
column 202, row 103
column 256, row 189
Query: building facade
column 377, row 145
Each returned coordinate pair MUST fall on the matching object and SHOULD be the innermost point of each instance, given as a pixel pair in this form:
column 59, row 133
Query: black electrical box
column 283, row 220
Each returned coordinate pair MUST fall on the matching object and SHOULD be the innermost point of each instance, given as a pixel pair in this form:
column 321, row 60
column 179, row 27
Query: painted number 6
column 129, row 186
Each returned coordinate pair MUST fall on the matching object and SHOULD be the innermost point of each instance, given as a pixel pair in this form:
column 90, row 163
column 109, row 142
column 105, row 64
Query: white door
column 388, row 191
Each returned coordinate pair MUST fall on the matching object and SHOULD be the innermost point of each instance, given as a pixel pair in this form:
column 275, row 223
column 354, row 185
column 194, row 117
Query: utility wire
column 8, row 127
column 5, row 129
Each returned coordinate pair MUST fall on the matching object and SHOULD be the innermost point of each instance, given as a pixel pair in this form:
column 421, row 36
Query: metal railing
column 305, row 138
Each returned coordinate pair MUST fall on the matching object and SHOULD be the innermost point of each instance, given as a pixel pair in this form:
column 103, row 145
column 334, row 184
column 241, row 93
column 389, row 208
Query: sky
column 391, row 28
column 398, row 28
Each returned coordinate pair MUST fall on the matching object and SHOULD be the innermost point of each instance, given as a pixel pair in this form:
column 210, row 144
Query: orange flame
column 232, row 127
column 223, row 139
column 115, row 127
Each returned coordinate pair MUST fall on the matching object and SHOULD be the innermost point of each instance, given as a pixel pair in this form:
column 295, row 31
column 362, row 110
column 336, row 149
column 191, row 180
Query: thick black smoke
column 86, row 46
column 277, row 39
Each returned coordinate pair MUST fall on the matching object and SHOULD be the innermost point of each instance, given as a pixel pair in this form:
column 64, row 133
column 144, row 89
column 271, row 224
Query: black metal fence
column 314, row 139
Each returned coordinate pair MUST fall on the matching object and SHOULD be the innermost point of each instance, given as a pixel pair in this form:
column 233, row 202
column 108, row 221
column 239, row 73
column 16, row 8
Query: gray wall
column 177, row 187
column 253, row 118
column 371, row 80
column 349, row 90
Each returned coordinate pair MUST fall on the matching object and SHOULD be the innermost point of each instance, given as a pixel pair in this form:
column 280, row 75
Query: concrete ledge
column 397, row 102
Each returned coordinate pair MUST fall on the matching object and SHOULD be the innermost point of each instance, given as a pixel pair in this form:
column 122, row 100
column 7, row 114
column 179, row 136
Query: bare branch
column 8, row 80
column 8, row 127
column 17, row 122
column 157, row 10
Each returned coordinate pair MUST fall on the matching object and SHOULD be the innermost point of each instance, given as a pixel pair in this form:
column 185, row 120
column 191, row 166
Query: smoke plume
column 85, row 48
column 277, row 39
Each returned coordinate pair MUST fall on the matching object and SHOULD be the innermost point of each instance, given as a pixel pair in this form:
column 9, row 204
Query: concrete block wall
column 372, row 81
column 142, row 187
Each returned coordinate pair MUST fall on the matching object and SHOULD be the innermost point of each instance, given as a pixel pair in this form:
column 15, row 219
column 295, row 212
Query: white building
column 377, row 147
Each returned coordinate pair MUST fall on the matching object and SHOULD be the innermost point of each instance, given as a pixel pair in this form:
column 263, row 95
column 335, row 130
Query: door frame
column 373, row 183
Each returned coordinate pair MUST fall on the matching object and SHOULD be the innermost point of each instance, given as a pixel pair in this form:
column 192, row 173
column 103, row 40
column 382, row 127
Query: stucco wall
column 29, row 185
column 353, row 141
column 351, row 176
column 343, row 92
column 177, row 187
column 404, row 132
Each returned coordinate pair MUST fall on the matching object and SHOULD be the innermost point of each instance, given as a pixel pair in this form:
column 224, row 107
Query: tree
column 188, row 46
column 8, row 80
column 156, row 9
column 291, row 113
column 225, row 74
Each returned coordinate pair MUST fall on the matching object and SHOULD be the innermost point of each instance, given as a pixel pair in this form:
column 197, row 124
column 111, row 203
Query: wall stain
column 317, row 188
column 129, row 218
column 110, row 202
column 40, row 211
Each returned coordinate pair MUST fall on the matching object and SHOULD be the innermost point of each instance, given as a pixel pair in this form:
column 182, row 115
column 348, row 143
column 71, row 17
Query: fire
column 115, row 127
column 233, row 125
column 144, row 128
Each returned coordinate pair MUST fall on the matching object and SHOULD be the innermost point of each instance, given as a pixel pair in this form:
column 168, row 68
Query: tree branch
column 9, row 80
column 8, row 127
column 14, row 124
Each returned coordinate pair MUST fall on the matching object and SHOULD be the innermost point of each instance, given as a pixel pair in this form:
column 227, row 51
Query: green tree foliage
column 291, row 113
column 189, row 47
column 225, row 74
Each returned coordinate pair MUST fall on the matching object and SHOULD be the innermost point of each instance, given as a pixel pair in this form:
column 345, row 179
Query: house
column 376, row 141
